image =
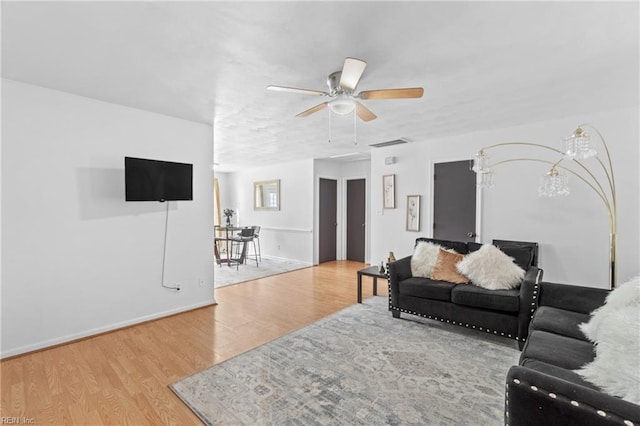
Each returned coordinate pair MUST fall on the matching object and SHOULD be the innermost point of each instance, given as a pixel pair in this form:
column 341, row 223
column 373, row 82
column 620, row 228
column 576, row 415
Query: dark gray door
column 454, row 201
column 356, row 219
column 327, row 210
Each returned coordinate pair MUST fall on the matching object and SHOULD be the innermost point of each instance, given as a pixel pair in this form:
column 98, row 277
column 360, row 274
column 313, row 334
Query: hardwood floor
column 122, row 377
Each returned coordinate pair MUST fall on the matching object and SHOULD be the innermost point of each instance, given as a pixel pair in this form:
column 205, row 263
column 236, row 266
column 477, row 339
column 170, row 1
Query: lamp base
column 612, row 261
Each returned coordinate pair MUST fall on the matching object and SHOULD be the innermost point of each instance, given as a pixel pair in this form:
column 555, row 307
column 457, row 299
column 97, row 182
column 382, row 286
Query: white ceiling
column 483, row 65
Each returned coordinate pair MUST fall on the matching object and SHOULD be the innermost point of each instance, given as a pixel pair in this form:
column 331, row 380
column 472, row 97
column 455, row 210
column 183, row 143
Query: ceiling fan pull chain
column 329, row 124
column 355, row 132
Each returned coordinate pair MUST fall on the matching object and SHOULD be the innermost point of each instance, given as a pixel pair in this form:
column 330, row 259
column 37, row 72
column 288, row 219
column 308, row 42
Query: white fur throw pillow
column 490, row 268
column 615, row 329
column 624, row 295
column 424, row 259
column 616, row 368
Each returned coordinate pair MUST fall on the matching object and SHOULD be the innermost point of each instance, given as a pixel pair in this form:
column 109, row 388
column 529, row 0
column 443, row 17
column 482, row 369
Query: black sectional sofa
column 543, row 389
column 501, row 312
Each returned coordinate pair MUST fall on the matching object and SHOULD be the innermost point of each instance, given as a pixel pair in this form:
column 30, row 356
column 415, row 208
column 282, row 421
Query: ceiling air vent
column 389, row 143
column 352, row 156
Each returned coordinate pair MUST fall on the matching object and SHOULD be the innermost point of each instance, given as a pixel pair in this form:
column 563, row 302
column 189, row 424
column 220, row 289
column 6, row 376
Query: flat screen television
column 154, row 180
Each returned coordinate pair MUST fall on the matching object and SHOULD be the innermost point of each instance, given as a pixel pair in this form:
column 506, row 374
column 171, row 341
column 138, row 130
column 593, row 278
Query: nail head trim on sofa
column 562, row 398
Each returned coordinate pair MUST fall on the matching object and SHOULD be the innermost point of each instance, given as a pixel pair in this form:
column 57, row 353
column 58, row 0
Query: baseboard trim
column 72, row 338
column 279, row 229
column 268, row 256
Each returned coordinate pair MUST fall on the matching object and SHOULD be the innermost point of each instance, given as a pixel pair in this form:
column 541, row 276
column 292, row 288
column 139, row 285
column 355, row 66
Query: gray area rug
column 359, row 366
column 226, row 275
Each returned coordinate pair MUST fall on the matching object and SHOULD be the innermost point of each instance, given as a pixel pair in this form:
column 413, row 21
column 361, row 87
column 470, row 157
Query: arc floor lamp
column 577, row 148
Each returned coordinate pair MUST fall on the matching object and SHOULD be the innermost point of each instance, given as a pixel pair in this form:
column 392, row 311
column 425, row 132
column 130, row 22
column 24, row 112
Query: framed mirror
column 266, row 195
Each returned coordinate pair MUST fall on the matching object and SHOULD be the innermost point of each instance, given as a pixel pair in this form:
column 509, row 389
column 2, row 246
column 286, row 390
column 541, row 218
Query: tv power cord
column 164, row 252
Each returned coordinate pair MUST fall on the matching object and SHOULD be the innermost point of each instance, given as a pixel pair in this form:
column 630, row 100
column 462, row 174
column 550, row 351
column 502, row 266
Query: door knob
column 471, row 234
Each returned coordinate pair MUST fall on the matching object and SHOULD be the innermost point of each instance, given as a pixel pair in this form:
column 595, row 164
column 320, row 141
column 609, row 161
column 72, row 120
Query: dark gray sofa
column 543, row 389
column 501, row 312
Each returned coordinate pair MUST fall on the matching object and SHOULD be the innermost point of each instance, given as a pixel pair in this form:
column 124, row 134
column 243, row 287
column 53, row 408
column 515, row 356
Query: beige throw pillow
column 445, row 268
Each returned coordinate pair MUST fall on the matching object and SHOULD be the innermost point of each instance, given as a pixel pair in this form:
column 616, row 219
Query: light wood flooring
column 122, row 377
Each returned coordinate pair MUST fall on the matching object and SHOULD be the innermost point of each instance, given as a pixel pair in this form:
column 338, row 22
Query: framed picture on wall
column 389, row 191
column 413, row 213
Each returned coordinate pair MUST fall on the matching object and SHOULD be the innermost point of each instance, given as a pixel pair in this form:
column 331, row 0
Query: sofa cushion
column 426, row 288
column 559, row 372
column 498, row 300
column 572, row 298
column 445, row 268
column 473, row 246
column 554, row 349
column 533, row 247
column 522, row 256
column 455, row 245
column 559, row 321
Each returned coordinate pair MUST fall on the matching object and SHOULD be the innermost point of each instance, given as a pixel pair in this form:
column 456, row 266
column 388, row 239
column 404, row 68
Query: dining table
column 225, row 236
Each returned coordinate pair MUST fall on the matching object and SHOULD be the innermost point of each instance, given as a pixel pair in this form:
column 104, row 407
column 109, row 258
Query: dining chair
column 217, row 244
column 256, row 236
column 243, row 238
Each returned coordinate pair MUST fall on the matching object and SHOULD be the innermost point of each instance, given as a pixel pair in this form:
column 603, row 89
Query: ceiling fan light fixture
column 342, row 105
column 341, row 96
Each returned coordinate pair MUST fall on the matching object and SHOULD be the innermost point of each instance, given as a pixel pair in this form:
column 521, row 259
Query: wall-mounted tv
column 154, row 180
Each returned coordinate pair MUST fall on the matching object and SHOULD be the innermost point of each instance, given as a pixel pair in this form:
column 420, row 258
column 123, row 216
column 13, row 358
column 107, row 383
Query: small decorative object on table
column 391, row 258
column 228, row 213
column 382, row 270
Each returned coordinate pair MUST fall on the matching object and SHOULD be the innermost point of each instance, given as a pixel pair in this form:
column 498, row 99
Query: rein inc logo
column 6, row 420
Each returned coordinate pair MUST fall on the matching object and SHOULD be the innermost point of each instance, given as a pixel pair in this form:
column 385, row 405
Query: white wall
column 288, row 232
column 77, row 259
column 573, row 232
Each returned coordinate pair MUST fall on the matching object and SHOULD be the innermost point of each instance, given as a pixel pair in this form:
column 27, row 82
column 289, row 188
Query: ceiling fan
column 341, row 94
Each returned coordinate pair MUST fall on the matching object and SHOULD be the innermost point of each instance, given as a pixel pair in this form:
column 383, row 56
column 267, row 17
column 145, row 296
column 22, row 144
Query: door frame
column 343, row 217
column 431, row 185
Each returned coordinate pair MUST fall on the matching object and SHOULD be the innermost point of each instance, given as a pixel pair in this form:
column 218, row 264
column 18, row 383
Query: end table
column 371, row 271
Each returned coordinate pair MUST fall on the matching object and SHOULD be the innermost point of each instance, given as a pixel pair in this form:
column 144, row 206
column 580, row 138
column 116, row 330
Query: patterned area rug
column 359, row 366
column 226, row 275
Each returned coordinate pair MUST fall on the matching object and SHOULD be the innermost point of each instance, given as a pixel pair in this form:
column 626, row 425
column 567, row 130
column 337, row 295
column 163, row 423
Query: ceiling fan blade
column 351, row 72
column 296, row 90
column 364, row 113
column 313, row 109
column 412, row 92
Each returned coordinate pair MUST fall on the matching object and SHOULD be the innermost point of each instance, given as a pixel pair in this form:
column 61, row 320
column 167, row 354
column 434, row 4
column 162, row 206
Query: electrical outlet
column 278, row 246
column 201, row 282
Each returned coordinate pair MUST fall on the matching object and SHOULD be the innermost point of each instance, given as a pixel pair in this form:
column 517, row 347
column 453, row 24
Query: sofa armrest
column 529, row 291
column 398, row 271
column 535, row 398
column 571, row 297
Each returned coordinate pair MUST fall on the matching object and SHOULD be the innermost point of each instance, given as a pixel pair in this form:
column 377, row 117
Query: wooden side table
column 371, row 271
